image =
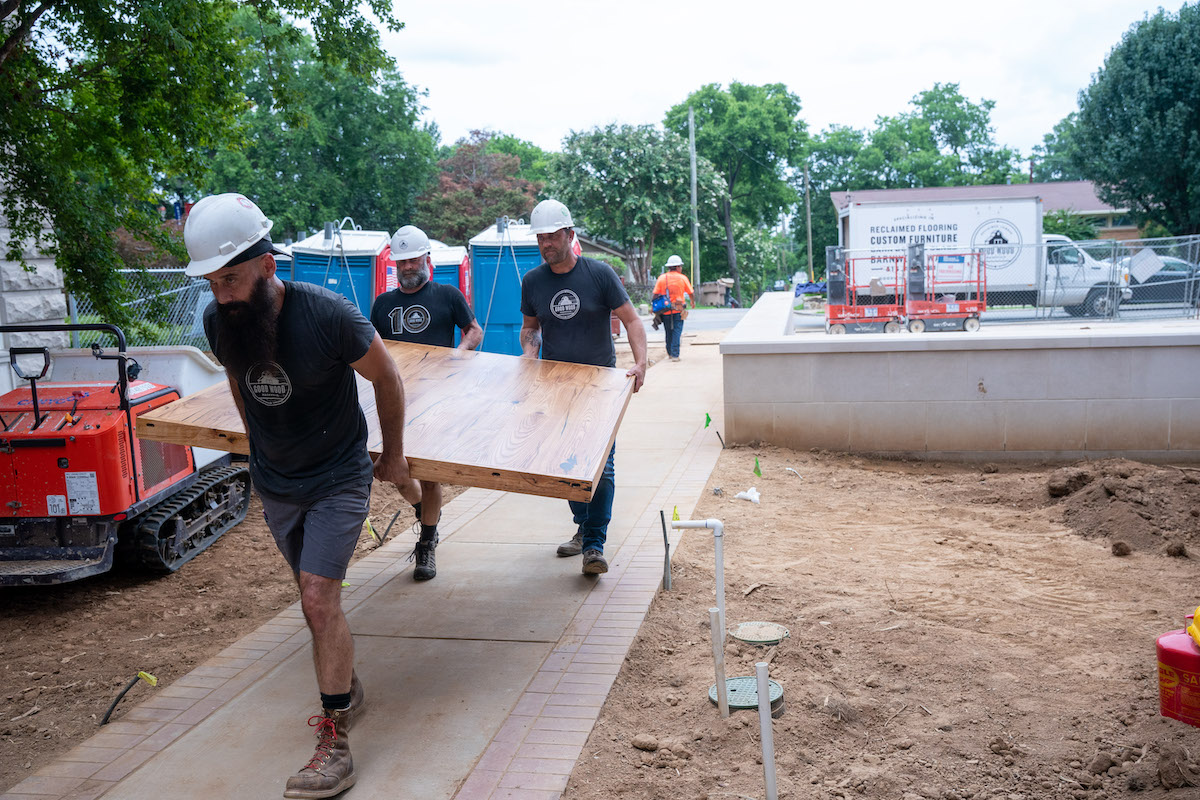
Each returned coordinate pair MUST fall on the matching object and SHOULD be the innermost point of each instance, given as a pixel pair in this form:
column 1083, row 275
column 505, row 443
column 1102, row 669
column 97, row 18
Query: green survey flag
column 707, row 419
column 675, row 515
column 757, row 469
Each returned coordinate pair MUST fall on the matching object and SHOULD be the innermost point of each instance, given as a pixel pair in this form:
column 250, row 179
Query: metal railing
column 1103, row 279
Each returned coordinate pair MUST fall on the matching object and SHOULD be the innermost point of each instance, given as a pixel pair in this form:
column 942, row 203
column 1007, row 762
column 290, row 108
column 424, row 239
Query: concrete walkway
column 481, row 684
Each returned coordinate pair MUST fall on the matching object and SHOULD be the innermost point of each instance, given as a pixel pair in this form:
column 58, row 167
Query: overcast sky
column 539, row 70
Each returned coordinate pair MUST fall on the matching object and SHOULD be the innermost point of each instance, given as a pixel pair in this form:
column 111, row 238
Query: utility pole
column 783, row 273
column 812, row 275
column 695, row 218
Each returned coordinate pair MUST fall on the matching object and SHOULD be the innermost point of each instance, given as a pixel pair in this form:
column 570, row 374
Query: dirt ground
column 955, row 632
column 67, row 651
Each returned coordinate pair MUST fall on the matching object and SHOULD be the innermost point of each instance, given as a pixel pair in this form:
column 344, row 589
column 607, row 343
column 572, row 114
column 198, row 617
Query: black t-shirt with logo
column 574, row 311
column 308, row 436
column 427, row 316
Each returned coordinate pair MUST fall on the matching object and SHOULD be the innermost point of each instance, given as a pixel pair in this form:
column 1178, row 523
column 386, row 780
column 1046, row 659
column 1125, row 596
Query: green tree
column 360, row 150
column 943, row 140
column 901, row 152
column 534, row 161
column 835, row 163
column 102, row 101
column 963, row 132
column 474, row 186
column 1057, row 157
column 1138, row 132
column 753, row 135
column 1069, row 224
column 632, row 184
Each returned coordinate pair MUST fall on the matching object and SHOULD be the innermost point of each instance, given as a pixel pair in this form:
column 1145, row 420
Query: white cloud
column 540, row 71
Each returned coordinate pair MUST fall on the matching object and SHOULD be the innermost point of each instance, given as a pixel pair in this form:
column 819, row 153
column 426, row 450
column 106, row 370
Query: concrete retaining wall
column 1003, row 393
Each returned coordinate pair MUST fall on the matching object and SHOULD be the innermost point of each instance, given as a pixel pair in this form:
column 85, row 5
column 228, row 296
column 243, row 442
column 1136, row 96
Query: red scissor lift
column 848, row 311
column 954, row 274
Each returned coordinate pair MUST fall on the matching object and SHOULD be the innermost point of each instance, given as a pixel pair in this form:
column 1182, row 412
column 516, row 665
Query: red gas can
column 1179, row 677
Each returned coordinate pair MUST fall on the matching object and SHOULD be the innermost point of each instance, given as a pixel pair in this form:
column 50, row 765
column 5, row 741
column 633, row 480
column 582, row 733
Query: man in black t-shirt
column 290, row 351
column 567, row 302
column 421, row 311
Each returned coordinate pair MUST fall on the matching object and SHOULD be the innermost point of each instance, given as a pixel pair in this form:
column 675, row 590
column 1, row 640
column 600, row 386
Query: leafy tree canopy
column 360, row 150
column 632, row 183
column 1057, row 157
column 103, row 100
column 1063, row 221
column 753, row 135
column 1138, row 131
column 943, row 140
column 534, row 161
column 474, row 185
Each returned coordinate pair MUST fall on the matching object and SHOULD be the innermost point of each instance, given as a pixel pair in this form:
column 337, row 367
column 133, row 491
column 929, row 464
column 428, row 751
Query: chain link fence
column 168, row 310
column 1104, row 279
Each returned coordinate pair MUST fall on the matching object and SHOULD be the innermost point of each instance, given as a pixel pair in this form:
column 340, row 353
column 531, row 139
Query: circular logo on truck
column 565, row 304
column 268, row 383
column 999, row 241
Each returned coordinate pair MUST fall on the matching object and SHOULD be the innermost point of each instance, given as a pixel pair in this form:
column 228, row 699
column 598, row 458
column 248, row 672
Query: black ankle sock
column 335, row 702
column 428, row 532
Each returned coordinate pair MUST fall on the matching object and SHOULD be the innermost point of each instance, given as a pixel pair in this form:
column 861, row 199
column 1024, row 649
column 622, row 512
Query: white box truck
column 1024, row 266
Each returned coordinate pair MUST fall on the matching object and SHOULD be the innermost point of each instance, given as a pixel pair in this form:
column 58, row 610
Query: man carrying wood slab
column 290, row 351
column 567, row 302
column 422, row 311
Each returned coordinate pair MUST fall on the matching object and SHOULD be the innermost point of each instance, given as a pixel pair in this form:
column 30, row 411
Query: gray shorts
column 319, row 536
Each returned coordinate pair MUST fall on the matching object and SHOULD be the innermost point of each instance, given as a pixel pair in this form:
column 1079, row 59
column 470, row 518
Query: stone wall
column 28, row 297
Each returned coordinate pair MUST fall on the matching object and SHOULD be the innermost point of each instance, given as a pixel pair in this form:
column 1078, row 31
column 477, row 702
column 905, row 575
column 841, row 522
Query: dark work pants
column 593, row 517
column 673, row 327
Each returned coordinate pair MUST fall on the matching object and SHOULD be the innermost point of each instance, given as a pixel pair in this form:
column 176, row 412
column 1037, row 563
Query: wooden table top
column 483, row 419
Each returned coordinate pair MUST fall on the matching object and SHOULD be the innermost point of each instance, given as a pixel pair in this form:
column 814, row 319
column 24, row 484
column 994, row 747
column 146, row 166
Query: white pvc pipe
column 764, row 724
column 718, row 644
column 718, row 530
column 666, row 552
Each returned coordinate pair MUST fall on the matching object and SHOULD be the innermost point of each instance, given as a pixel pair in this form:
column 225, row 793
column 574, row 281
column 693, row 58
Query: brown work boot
column 358, row 700
column 573, row 546
column 594, row 563
column 330, row 771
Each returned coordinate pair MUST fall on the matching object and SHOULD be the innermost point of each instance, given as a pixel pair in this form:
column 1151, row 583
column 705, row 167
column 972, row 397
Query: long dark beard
column 251, row 327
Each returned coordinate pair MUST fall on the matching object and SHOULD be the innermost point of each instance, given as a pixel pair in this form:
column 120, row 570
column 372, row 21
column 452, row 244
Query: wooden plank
column 488, row 420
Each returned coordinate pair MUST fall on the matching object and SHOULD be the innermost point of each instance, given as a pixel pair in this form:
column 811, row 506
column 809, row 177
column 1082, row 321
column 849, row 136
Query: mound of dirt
column 1150, row 508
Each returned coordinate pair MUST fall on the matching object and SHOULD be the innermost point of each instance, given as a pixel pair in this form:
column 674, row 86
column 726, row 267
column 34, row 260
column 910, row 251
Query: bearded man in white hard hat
column 425, row 312
column 290, row 351
column 567, row 303
column 675, row 287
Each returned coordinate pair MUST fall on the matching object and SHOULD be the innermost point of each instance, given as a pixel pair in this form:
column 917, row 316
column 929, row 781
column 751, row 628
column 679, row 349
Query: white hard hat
column 549, row 216
column 224, row 229
column 409, row 242
column 674, row 261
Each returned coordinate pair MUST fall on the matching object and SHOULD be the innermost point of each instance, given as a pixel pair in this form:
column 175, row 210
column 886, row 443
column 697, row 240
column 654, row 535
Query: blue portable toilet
column 499, row 260
column 356, row 264
column 448, row 266
column 283, row 265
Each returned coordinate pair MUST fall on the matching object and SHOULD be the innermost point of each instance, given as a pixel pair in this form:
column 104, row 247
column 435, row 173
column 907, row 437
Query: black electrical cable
column 133, row 682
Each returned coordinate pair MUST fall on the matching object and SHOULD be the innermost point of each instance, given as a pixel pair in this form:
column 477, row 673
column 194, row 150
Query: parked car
column 1177, row 281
